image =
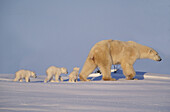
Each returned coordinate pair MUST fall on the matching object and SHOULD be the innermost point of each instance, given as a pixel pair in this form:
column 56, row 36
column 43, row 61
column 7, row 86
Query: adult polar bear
column 107, row 52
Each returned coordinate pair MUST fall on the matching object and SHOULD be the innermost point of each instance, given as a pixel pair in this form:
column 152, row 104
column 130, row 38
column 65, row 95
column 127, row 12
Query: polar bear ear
column 150, row 51
column 92, row 58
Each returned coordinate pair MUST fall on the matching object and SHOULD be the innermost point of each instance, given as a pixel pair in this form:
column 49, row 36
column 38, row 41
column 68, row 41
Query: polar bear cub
column 74, row 75
column 24, row 74
column 55, row 71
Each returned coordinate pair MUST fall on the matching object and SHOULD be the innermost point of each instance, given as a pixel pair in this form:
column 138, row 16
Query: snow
column 151, row 93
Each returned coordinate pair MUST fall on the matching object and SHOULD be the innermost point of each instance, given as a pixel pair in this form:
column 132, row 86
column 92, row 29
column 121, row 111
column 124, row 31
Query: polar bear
column 74, row 75
column 106, row 53
column 24, row 74
column 54, row 71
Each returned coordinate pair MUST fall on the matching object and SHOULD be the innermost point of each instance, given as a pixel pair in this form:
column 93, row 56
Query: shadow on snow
column 119, row 75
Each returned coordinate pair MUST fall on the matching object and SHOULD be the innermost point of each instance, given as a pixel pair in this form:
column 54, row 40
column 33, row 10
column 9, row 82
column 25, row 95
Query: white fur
column 54, row 71
column 24, row 74
column 74, row 75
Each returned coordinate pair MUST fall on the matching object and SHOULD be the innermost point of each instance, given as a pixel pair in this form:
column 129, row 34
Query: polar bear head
column 154, row 55
column 64, row 70
column 76, row 68
column 33, row 75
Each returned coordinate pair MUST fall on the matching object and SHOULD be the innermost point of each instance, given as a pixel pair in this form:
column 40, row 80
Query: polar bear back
column 23, row 73
column 53, row 70
column 74, row 73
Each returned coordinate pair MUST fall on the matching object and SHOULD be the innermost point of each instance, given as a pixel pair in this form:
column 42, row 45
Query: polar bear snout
column 159, row 59
column 34, row 76
column 64, row 70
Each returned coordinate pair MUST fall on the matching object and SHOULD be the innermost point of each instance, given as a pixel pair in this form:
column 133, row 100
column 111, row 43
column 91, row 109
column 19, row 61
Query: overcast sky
column 35, row 34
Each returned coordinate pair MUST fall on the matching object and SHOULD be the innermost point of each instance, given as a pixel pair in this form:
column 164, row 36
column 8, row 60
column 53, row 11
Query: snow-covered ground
column 149, row 94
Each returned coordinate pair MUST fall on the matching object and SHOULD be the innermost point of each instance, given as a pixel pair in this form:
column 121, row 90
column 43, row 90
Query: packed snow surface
column 151, row 93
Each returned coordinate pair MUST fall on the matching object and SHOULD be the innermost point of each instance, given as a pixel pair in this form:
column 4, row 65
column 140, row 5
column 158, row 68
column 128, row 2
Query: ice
column 151, row 93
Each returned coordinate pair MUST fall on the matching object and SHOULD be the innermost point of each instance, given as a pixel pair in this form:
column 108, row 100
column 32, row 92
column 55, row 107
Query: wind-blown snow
column 149, row 94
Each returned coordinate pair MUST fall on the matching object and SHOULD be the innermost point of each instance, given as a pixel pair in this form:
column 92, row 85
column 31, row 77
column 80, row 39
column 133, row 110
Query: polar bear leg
column 27, row 79
column 21, row 80
column 60, row 78
column 69, row 79
column 56, row 78
column 88, row 68
column 16, row 79
column 48, row 78
column 106, row 72
column 104, row 62
column 128, row 71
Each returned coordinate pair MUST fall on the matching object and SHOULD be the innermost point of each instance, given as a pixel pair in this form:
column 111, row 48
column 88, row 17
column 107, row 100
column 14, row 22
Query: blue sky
column 35, row 34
